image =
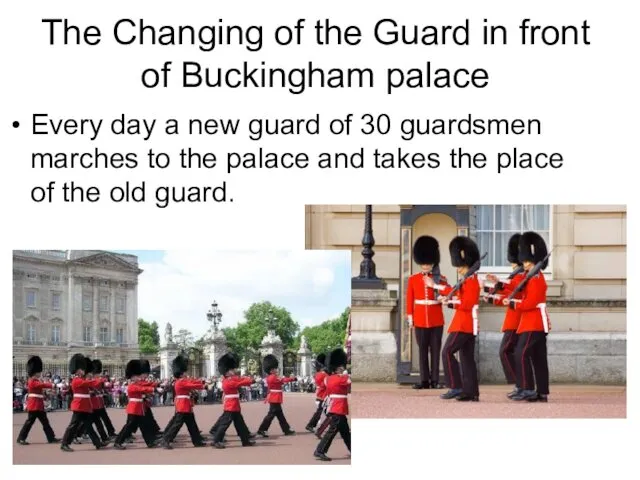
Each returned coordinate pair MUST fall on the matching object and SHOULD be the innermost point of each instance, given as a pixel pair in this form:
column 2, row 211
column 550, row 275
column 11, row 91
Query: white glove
column 410, row 320
column 346, row 372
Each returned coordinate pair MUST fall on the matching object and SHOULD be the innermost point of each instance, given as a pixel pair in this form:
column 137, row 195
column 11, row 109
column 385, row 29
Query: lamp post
column 214, row 316
column 368, row 278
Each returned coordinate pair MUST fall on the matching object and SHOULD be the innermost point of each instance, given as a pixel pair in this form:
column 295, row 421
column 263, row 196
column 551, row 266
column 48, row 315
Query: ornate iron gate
column 289, row 364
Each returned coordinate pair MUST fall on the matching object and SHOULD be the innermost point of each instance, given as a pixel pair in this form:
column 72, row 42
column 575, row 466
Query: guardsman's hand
column 492, row 278
column 506, row 302
column 429, row 282
column 442, row 299
column 410, row 321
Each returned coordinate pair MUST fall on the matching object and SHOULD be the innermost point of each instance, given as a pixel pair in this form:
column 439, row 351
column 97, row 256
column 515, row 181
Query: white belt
column 275, row 391
column 81, row 395
column 232, row 396
column 427, row 302
column 541, row 305
column 136, row 400
column 183, row 396
column 35, row 395
column 338, row 396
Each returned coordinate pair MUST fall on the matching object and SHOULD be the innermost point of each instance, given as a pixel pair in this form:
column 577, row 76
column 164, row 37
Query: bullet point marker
column 16, row 124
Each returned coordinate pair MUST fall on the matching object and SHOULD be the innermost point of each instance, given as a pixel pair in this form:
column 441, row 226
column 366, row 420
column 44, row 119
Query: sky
column 179, row 286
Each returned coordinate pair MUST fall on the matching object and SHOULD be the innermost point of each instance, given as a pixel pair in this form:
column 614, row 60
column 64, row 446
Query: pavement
column 275, row 450
column 565, row 401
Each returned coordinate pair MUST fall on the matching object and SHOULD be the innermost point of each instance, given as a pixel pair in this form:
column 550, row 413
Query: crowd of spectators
column 115, row 391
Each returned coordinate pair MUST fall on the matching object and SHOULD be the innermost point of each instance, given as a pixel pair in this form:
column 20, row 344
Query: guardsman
column 135, row 407
column 321, row 391
column 98, row 401
column 338, row 385
column 231, row 382
column 534, row 326
column 35, row 403
column 183, row 405
column 424, row 311
column 497, row 291
column 464, row 326
column 274, row 397
column 148, row 401
column 82, row 419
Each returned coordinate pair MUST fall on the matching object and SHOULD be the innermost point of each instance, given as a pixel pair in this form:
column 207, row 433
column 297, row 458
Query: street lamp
column 214, row 316
column 368, row 278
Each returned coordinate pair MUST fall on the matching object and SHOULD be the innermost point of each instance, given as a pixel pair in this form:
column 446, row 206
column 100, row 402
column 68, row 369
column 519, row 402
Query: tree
column 148, row 337
column 184, row 339
column 326, row 336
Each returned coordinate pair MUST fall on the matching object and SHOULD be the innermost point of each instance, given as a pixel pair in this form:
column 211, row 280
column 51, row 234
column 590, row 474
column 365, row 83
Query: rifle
column 472, row 270
column 491, row 293
column 532, row 273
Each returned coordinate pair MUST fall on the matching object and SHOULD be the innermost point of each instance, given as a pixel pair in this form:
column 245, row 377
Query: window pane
column 485, row 244
column 104, row 303
column 31, row 299
column 508, row 217
column 502, row 240
column 541, row 217
column 55, row 301
column 484, row 217
column 87, row 300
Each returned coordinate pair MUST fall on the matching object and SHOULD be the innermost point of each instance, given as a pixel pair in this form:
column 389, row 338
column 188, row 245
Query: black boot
column 452, row 393
column 321, row 457
column 467, row 398
column 525, row 395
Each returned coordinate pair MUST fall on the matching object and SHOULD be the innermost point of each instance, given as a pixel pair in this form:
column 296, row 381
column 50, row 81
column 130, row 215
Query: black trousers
column 104, row 416
column 31, row 419
column 429, row 344
column 81, row 421
column 313, row 423
column 224, row 422
column 151, row 421
column 465, row 343
column 177, row 421
column 507, row 355
column 531, row 358
column 338, row 423
column 133, row 422
column 275, row 411
column 96, row 420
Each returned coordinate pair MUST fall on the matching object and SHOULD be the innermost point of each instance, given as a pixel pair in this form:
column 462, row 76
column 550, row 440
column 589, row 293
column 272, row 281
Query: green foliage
column 148, row 337
column 326, row 336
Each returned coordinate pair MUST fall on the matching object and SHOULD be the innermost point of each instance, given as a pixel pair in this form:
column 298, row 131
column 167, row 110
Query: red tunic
column 512, row 317
column 81, row 398
column 230, row 387
column 422, row 303
column 338, row 390
column 35, row 398
column 97, row 400
column 135, row 392
column 321, row 388
column 533, row 307
column 183, row 388
column 465, row 319
column 274, row 384
column 148, row 401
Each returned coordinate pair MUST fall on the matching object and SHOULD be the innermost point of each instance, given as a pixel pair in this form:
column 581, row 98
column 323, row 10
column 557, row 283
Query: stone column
column 112, row 311
column 70, row 311
column 304, row 354
column 373, row 343
column 167, row 354
column 271, row 345
column 216, row 349
column 96, row 309
column 134, row 321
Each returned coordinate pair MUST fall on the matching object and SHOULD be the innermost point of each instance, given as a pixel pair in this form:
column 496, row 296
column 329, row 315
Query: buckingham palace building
column 74, row 301
column 586, row 278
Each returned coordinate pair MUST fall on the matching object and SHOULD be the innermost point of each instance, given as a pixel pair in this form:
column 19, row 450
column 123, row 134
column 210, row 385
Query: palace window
column 87, row 302
column 495, row 224
column 104, row 303
column 86, row 334
column 55, row 301
column 120, row 335
column 31, row 333
column 31, row 299
column 120, row 304
column 55, row 334
column 104, row 334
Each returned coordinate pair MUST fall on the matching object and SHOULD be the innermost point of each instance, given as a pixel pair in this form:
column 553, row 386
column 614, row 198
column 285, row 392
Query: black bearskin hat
column 179, row 366
column 269, row 363
column 512, row 249
column 77, row 363
column 337, row 358
column 227, row 362
column 34, row 365
column 464, row 252
column 96, row 366
column 146, row 366
column 133, row 368
column 89, row 365
column 532, row 248
column 320, row 361
column 426, row 251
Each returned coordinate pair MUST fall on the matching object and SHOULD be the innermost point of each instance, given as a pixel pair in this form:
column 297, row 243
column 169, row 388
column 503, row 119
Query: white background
column 586, row 98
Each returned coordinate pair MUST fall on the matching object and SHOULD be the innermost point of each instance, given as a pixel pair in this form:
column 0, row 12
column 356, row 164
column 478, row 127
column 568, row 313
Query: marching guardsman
column 82, row 418
column 148, row 401
column 498, row 291
column 97, row 402
column 424, row 311
column 231, row 382
column 135, row 407
column 274, row 397
column 35, row 403
column 338, row 385
column 534, row 323
column 321, row 391
column 184, row 408
column 464, row 326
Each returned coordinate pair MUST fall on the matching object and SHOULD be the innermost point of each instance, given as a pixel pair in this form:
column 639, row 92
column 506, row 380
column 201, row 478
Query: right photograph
column 483, row 311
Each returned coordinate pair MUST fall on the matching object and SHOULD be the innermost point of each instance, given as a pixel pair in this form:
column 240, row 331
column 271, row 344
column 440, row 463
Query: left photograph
column 181, row 357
